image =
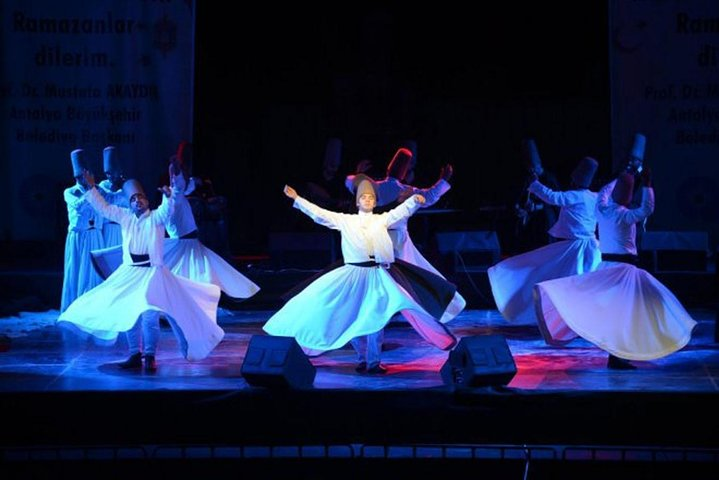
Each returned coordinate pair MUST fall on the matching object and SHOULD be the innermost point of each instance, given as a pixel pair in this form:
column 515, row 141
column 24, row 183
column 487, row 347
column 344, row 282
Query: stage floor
column 42, row 357
column 70, row 411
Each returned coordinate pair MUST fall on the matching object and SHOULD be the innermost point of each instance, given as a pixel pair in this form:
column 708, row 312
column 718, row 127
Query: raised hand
column 165, row 190
column 446, row 172
column 646, row 176
column 420, row 199
column 88, row 179
column 177, row 179
column 290, row 192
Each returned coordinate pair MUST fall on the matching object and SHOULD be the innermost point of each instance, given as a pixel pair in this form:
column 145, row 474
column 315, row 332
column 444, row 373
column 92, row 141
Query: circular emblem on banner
column 164, row 35
column 37, row 195
column 697, row 198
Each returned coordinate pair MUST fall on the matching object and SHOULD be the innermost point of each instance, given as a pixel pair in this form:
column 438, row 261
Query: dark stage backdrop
column 467, row 83
column 273, row 83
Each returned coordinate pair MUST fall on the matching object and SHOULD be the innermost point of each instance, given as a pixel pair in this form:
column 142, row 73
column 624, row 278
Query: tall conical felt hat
column 175, row 165
column 411, row 145
column 622, row 193
column 638, row 146
column 181, row 161
column 132, row 187
column 110, row 160
column 179, row 173
column 584, row 172
column 333, row 151
column 79, row 162
column 530, row 153
column 400, row 163
column 362, row 184
column 184, row 154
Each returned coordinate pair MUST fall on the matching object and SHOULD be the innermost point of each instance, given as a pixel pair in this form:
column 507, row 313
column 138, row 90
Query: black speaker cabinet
column 277, row 362
column 478, row 361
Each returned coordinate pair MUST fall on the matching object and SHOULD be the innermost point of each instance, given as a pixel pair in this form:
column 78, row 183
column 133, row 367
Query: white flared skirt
column 620, row 308
column 115, row 305
column 348, row 302
column 79, row 274
column 406, row 250
column 189, row 258
column 512, row 279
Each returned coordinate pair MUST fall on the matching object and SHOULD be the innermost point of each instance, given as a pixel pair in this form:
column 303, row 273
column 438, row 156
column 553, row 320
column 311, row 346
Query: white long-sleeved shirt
column 80, row 214
column 182, row 221
column 617, row 223
column 364, row 235
column 140, row 235
column 113, row 197
column 577, row 217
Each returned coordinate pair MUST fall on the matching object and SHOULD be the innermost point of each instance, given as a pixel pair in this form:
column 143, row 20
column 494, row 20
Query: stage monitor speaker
column 277, row 362
column 478, row 361
column 472, row 251
column 674, row 251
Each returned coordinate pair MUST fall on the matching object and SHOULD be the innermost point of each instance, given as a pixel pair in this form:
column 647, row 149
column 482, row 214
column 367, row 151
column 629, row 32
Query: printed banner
column 664, row 63
column 78, row 74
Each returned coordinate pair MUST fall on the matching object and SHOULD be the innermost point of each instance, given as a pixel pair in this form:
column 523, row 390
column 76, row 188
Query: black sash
column 142, row 260
column 621, row 257
column 187, row 236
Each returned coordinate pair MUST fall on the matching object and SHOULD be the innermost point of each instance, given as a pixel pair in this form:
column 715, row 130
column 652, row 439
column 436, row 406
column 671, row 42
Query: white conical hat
column 131, row 187
column 333, row 151
column 79, row 162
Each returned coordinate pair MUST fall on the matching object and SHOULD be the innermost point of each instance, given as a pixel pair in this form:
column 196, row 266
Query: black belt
column 371, row 263
column 187, row 236
column 620, row 257
column 113, row 223
column 142, row 260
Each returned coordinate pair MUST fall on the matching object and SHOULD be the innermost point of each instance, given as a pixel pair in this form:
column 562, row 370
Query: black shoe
column 134, row 361
column 616, row 363
column 377, row 369
column 150, row 363
column 361, row 367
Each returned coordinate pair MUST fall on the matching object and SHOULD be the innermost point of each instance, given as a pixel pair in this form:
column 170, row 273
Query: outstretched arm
column 405, row 210
column 552, row 197
column 635, row 215
column 435, row 192
column 167, row 207
column 319, row 215
column 603, row 196
column 111, row 212
column 74, row 198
